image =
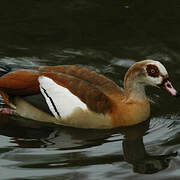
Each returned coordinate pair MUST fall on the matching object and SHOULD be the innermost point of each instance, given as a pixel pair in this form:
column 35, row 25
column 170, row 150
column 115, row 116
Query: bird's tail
column 4, row 69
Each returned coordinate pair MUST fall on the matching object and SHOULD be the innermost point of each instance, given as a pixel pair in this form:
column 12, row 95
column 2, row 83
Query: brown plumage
column 107, row 106
column 25, row 82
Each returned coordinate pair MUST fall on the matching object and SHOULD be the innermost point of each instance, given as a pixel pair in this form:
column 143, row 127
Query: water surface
column 107, row 38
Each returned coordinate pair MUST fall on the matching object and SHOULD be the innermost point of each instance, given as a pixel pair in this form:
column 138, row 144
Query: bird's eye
column 152, row 70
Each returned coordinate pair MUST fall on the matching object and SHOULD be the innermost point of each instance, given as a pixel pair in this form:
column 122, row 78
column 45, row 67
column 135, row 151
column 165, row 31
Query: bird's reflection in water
column 135, row 152
column 29, row 134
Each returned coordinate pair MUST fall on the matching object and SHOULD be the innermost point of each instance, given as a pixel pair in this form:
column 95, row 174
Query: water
column 107, row 38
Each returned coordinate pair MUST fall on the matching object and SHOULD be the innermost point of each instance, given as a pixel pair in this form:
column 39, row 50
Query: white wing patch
column 60, row 100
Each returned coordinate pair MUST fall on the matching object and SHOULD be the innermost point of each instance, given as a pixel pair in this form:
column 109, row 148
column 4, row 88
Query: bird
column 75, row 96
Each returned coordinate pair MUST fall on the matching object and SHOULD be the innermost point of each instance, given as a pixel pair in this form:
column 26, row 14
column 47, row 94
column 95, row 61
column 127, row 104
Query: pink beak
column 169, row 88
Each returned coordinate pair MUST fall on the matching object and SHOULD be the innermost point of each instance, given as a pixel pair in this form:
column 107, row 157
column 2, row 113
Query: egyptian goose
column 75, row 96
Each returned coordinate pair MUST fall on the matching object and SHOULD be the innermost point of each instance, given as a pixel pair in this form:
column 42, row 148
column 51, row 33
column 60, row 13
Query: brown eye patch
column 152, row 70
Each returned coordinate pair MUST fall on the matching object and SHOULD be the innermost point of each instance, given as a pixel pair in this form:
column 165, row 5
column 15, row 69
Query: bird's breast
column 130, row 113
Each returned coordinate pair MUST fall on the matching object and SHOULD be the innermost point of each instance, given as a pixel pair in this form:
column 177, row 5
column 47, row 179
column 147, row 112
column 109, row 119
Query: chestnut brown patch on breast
column 152, row 70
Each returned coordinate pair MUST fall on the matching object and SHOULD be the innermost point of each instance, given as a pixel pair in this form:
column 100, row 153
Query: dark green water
column 107, row 37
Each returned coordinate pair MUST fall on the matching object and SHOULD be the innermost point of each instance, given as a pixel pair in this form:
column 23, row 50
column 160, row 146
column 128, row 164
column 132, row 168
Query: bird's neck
column 134, row 89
